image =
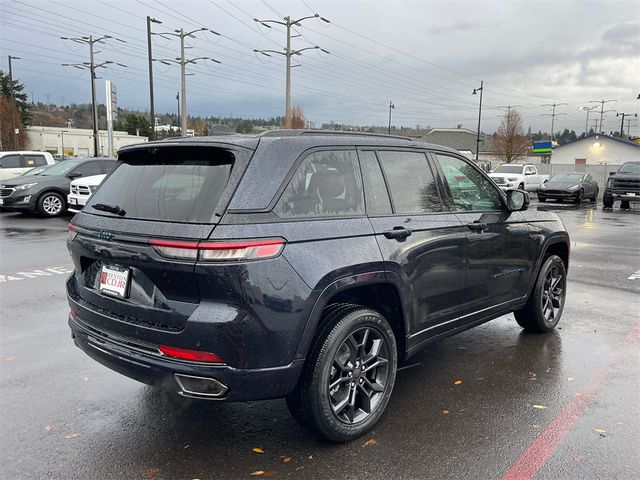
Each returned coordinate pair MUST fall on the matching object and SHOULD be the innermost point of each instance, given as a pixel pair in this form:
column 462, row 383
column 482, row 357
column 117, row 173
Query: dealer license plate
column 631, row 194
column 114, row 280
column 1, row 201
column 73, row 201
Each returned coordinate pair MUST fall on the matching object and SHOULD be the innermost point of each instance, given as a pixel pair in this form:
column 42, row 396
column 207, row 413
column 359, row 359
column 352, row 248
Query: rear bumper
column 141, row 363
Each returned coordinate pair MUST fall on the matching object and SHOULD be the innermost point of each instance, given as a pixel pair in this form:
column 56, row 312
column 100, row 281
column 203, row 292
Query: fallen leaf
column 71, row 436
column 150, row 473
column 600, row 430
column 186, row 446
column 257, row 473
column 310, row 457
column 371, row 441
column 536, row 425
column 570, row 379
column 458, row 382
column 269, row 473
column 286, row 459
column 257, row 450
column 48, row 428
column 445, row 411
column 578, row 458
column 540, row 407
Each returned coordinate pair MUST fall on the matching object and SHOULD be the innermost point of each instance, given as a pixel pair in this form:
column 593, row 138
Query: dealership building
column 77, row 141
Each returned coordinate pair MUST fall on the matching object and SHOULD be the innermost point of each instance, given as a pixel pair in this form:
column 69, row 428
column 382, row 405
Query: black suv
column 303, row 265
column 623, row 185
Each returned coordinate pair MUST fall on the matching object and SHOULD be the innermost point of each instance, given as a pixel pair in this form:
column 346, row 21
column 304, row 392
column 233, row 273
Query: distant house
column 596, row 149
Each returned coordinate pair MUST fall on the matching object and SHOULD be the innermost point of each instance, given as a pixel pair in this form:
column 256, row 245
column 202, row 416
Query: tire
column 544, row 308
column 51, row 204
column 607, row 202
column 351, row 334
column 580, row 196
column 595, row 195
column 625, row 205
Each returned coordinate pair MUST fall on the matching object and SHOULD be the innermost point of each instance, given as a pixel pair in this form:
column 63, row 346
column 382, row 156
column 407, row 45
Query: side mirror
column 517, row 200
column 612, row 173
column 73, row 175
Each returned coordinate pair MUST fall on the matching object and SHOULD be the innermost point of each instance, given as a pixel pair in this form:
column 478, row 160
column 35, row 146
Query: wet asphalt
column 558, row 406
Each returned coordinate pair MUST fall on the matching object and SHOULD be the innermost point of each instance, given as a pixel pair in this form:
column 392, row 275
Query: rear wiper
column 109, row 208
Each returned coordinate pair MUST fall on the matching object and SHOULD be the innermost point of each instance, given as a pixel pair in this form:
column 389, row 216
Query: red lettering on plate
column 103, row 278
column 121, row 284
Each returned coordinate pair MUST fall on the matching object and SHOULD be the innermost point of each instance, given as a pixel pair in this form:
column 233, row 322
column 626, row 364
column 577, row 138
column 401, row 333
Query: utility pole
column 13, row 103
column 391, row 105
column 288, row 23
column 602, row 112
column 152, row 112
column 178, row 100
column 92, row 66
column 508, row 107
column 183, row 62
column 622, row 123
column 629, row 125
column 553, row 115
column 475, row 92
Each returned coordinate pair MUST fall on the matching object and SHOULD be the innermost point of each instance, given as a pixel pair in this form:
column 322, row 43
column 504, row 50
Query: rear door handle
column 398, row 233
column 477, row 227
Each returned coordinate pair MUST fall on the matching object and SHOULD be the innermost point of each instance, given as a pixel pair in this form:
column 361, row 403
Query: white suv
column 13, row 164
column 80, row 191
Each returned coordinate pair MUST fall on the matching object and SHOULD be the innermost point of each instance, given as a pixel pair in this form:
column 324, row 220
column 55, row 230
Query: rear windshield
column 178, row 184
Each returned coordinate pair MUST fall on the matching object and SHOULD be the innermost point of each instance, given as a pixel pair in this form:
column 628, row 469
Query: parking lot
column 492, row 402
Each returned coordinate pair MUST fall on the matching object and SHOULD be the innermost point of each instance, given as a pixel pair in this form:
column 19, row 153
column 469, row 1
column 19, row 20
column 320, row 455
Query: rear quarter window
column 179, row 184
column 326, row 184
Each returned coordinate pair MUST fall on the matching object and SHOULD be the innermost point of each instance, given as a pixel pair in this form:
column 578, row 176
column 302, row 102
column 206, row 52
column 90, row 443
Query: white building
column 596, row 149
column 76, row 141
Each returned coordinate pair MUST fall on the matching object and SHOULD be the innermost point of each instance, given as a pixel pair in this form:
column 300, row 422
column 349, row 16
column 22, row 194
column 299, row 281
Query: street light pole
column 288, row 23
column 622, row 123
column 475, row 91
column 152, row 112
column 553, row 115
column 391, row 105
column 13, row 103
column 602, row 112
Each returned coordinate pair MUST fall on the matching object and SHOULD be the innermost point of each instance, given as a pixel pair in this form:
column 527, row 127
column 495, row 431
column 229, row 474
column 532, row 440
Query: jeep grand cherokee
column 303, row 265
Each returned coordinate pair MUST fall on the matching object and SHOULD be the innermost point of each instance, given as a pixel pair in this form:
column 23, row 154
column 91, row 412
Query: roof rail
column 295, row 133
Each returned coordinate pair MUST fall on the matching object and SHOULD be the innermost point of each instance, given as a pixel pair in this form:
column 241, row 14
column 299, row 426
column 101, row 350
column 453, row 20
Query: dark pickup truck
column 623, row 185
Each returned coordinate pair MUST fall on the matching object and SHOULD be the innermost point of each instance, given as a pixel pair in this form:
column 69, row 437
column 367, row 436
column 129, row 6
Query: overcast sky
column 424, row 56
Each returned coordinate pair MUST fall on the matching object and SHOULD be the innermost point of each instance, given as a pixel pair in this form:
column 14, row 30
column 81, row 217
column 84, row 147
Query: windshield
column 631, row 167
column 61, row 168
column 567, row 178
column 36, row 170
column 169, row 184
column 509, row 169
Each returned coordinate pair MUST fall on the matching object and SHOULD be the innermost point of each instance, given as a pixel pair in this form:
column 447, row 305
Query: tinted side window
column 10, row 161
column 413, row 187
column 35, row 160
column 89, row 168
column 470, row 191
column 327, row 183
column 375, row 190
column 588, row 178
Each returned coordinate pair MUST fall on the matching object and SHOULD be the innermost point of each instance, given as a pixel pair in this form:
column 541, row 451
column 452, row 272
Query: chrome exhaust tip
column 200, row 386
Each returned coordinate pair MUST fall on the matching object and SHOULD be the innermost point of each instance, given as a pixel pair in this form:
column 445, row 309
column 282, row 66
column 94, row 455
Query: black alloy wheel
column 349, row 374
column 544, row 307
column 580, row 196
column 358, row 375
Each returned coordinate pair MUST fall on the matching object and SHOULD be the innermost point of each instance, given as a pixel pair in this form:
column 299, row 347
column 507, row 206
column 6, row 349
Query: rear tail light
column 187, row 354
column 220, row 251
column 72, row 233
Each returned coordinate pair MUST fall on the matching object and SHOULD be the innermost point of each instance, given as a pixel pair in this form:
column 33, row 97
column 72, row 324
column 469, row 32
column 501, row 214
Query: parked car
column 569, row 186
column 623, row 185
column 81, row 189
column 303, row 265
column 13, row 164
column 524, row 177
column 46, row 193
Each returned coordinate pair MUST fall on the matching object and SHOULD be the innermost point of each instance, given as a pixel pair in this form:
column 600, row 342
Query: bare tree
column 296, row 120
column 510, row 142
